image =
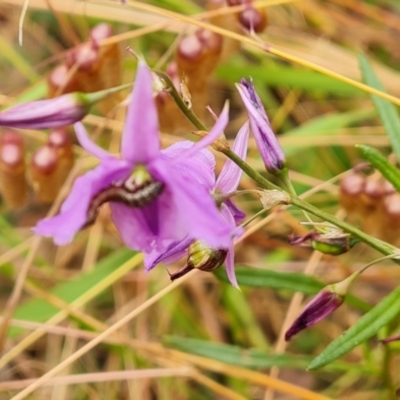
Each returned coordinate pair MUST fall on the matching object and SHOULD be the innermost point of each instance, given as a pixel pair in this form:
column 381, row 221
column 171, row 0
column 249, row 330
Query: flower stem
column 379, row 245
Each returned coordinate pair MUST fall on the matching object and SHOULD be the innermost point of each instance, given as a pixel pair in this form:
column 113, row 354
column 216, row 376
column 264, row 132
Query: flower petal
column 176, row 251
column 229, row 178
column 200, row 214
column 87, row 143
column 230, row 257
column 236, row 212
column 216, row 131
column 73, row 212
column 140, row 139
column 201, row 164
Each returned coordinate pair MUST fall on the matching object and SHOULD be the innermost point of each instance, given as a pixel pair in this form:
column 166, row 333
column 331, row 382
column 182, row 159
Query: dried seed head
column 61, row 81
column 13, row 183
column 43, row 170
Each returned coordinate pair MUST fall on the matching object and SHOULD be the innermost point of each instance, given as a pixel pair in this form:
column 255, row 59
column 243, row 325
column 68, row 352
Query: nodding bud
column 333, row 242
column 270, row 150
column 201, row 257
column 14, row 188
column 43, row 170
column 252, row 19
column 323, row 304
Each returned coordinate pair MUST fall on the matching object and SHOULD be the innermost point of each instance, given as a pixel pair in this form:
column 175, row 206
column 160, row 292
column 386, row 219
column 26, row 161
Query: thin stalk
column 379, row 245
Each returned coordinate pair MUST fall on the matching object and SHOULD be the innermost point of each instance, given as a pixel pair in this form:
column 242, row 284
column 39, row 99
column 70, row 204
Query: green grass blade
column 291, row 281
column 38, row 310
column 381, row 163
column 248, row 358
column 366, row 327
column 386, row 110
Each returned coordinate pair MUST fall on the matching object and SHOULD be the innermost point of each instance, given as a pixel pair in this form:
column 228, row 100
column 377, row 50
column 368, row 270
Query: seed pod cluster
column 50, row 166
column 374, row 203
column 13, row 185
column 196, row 57
column 46, row 172
column 90, row 67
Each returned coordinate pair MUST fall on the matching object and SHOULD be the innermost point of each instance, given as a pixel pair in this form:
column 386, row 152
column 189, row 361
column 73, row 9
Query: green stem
column 264, row 183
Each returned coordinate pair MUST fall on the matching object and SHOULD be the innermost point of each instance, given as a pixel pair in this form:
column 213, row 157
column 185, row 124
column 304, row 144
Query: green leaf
column 292, row 281
column 386, row 110
column 107, row 271
column 366, row 327
column 247, row 358
column 381, row 163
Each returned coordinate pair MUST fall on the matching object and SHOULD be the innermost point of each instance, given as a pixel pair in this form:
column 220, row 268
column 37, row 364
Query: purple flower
column 202, row 254
column 268, row 146
column 52, row 113
column 156, row 197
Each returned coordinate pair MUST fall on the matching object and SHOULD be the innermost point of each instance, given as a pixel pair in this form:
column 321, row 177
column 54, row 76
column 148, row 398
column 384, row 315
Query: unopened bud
column 53, row 113
column 201, row 257
column 44, row 174
column 323, row 304
column 270, row 150
column 14, row 188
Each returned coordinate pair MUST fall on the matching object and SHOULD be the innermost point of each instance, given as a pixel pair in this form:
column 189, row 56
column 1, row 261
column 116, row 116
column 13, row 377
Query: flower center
column 139, row 190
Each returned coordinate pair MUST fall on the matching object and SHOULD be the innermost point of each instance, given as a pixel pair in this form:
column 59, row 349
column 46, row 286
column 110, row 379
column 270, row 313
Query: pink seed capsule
column 61, row 81
column 44, row 174
column 14, row 188
column 253, row 19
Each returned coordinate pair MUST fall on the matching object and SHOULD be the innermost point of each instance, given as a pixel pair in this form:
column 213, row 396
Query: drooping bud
column 323, row 304
column 201, row 257
column 334, row 242
column 43, row 170
column 53, row 113
column 267, row 143
column 14, row 188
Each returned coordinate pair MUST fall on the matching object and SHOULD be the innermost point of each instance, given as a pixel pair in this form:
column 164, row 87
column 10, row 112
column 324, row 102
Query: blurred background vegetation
column 200, row 338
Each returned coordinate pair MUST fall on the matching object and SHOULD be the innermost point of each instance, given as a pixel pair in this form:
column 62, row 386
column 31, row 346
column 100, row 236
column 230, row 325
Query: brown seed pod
column 13, row 184
column 61, row 80
column 254, row 20
column 43, row 169
column 60, row 140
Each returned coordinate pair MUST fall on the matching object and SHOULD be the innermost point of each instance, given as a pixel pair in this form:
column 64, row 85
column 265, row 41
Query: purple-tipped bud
column 323, row 304
column 267, row 143
column 52, row 113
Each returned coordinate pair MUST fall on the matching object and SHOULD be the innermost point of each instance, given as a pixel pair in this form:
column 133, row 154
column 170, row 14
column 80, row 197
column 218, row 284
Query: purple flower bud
column 268, row 146
column 323, row 304
column 52, row 113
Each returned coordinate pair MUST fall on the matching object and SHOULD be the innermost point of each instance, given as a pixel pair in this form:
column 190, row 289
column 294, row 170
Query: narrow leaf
column 248, row 358
column 386, row 110
column 366, row 327
column 381, row 163
column 292, row 281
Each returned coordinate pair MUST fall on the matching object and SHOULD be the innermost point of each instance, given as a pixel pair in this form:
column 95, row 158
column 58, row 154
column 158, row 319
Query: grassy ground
column 88, row 323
